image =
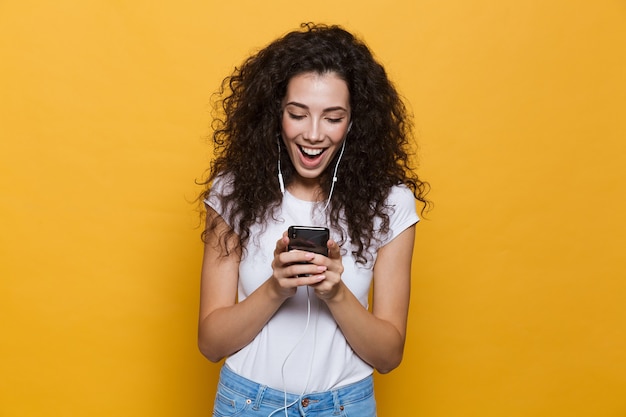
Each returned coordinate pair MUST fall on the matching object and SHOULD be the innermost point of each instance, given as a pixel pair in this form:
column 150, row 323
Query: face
column 315, row 120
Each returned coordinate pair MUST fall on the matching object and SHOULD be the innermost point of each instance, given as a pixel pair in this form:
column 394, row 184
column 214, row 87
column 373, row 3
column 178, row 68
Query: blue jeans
column 238, row 396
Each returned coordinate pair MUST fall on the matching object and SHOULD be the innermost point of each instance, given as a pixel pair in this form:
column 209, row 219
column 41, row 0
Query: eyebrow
column 326, row 110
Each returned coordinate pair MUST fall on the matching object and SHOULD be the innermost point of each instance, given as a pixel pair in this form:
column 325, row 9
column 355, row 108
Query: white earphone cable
column 332, row 185
column 286, row 406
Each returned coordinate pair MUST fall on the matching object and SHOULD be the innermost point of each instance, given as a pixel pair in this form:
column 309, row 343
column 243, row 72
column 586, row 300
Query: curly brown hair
column 376, row 155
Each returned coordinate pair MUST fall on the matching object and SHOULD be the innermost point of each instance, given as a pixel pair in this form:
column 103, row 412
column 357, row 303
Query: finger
column 311, row 281
column 281, row 244
column 334, row 252
column 300, row 269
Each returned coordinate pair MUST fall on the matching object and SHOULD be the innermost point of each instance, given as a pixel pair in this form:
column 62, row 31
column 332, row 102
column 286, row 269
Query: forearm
column 228, row 329
column 376, row 341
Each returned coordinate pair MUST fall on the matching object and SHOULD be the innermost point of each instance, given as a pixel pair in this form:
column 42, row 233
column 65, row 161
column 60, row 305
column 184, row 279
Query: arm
column 225, row 326
column 377, row 337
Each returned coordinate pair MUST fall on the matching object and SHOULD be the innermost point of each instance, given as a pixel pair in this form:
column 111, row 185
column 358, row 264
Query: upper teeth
column 312, row 152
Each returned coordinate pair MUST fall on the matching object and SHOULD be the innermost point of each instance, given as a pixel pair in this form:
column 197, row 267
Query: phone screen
column 309, row 238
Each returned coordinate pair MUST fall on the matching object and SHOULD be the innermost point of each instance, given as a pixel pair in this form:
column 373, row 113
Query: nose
column 312, row 132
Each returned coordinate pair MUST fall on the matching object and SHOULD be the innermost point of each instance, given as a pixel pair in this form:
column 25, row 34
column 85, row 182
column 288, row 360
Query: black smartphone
column 308, row 238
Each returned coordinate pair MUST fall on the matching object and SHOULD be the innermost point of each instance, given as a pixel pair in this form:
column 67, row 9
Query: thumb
column 334, row 251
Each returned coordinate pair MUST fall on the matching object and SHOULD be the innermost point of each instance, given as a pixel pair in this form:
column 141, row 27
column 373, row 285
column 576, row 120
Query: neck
column 307, row 189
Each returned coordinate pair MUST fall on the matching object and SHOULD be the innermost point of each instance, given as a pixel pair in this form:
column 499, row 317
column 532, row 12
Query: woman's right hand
column 292, row 269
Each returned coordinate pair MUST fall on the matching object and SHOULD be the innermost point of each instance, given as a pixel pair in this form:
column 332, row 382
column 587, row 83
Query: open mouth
column 311, row 153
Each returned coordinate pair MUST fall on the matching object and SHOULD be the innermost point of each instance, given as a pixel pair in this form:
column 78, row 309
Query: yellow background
column 519, row 296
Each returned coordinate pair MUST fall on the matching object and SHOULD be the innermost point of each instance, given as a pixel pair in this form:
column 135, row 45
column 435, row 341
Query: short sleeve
column 222, row 185
column 403, row 213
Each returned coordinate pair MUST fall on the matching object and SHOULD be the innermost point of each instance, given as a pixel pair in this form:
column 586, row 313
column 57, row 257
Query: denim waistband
column 316, row 401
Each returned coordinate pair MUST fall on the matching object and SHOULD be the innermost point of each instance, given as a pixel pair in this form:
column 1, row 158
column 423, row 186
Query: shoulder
column 402, row 210
column 221, row 186
column 401, row 196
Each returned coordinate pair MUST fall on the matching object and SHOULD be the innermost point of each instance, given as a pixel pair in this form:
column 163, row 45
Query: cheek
column 338, row 134
column 289, row 128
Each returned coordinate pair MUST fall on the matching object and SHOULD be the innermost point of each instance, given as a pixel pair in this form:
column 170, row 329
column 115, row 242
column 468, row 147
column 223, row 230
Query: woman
column 312, row 133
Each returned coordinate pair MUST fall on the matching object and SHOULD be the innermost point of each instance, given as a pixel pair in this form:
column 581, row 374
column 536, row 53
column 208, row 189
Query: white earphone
column 280, row 172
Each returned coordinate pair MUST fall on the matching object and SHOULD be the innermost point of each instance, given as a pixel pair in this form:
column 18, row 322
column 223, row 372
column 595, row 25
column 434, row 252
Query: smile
column 311, row 152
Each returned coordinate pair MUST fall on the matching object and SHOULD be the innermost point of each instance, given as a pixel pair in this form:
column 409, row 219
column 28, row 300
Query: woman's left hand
column 331, row 285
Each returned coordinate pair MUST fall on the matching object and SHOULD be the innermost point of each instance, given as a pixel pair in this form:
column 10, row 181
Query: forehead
column 318, row 90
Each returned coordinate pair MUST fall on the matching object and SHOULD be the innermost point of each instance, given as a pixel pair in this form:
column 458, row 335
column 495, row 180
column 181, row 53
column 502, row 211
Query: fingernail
column 321, row 268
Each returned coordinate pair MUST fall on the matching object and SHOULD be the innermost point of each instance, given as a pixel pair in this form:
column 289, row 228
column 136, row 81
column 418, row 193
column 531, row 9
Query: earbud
column 281, row 183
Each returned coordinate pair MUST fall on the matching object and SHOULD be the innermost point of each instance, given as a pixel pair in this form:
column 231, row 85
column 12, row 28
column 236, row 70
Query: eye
column 334, row 120
column 295, row 116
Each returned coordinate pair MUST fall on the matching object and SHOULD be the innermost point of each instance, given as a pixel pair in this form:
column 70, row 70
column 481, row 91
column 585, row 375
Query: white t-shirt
column 289, row 354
